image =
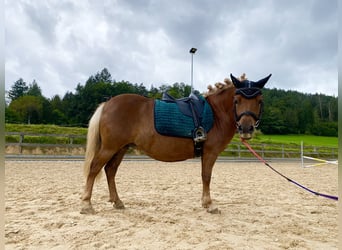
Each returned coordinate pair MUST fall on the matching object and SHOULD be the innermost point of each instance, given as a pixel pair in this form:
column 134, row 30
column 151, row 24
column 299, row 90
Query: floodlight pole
column 192, row 52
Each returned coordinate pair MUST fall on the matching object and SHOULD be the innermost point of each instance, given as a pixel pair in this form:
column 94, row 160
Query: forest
column 285, row 112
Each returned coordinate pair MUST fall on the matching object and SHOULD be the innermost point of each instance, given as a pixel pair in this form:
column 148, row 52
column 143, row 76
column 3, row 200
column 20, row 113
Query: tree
column 34, row 89
column 10, row 115
column 19, row 89
column 70, row 107
column 154, row 93
column 103, row 76
column 87, row 98
column 272, row 121
column 28, row 109
column 58, row 115
column 306, row 117
column 179, row 90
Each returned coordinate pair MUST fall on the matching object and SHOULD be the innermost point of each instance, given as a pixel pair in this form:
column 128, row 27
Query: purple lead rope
column 332, row 197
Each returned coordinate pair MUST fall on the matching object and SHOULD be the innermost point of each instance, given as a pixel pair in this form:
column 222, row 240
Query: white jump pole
column 321, row 161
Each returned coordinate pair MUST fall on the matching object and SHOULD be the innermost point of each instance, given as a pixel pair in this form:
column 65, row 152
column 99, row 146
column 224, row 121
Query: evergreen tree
column 34, row 89
column 103, row 76
column 18, row 89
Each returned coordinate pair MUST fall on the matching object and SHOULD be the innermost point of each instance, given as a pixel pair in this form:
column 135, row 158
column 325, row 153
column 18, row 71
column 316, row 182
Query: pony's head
column 248, row 104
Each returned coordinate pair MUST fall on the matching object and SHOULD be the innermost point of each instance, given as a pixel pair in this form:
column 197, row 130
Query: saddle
column 190, row 106
column 193, row 107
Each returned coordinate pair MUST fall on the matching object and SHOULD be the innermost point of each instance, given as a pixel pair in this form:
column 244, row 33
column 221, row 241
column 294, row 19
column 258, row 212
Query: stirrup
column 199, row 135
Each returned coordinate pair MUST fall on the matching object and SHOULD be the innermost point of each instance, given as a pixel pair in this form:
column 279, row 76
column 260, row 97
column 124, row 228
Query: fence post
column 71, row 140
column 21, row 140
column 302, row 152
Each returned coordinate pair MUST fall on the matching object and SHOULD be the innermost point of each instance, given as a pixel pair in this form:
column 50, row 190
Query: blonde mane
column 219, row 86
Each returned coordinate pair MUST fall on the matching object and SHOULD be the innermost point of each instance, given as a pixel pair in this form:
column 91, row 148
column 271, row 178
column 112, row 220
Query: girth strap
column 199, row 135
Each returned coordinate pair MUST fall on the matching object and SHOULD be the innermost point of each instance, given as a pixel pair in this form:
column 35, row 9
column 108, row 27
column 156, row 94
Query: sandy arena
column 259, row 209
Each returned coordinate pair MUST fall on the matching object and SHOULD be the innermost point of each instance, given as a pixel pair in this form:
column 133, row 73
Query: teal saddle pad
column 168, row 120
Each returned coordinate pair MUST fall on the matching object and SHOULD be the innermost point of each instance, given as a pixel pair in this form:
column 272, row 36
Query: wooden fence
column 19, row 144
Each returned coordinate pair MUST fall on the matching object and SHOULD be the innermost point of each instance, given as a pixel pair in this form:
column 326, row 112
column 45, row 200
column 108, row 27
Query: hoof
column 206, row 202
column 213, row 210
column 119, row 205
column 87, row 208
column 205, row 205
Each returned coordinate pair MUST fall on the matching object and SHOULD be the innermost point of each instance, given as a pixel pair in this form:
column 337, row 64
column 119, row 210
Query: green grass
column 308, row 140
column 45, row 129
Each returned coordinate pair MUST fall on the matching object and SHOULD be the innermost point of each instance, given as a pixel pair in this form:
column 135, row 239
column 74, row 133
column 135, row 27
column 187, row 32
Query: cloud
column 62, row 43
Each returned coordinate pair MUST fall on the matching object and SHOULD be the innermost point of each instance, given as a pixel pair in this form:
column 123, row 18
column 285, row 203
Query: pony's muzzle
column 245, row 131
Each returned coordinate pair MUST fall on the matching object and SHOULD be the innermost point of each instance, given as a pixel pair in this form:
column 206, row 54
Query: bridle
column 248, row 93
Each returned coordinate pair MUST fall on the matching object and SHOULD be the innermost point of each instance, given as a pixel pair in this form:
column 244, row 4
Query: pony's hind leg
column 111, row 169
column 100, row 159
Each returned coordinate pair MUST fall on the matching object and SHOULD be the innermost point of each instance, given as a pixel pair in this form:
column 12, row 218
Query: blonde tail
column 93, row 139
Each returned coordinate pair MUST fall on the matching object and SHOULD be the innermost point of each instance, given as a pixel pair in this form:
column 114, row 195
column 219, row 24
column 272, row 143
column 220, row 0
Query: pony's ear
column 236, row 81
column 261, row 83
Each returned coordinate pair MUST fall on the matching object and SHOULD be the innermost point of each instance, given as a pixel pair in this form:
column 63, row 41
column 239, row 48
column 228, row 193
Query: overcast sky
column 60, row 43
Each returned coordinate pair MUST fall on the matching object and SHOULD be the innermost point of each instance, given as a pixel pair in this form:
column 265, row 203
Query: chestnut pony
column 128, row 120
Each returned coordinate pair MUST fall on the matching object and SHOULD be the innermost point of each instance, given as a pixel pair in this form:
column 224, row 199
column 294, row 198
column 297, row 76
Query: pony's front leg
column 207, row 167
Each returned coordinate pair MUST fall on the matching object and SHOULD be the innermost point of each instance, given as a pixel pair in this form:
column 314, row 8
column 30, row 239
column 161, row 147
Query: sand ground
column 259, row 209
